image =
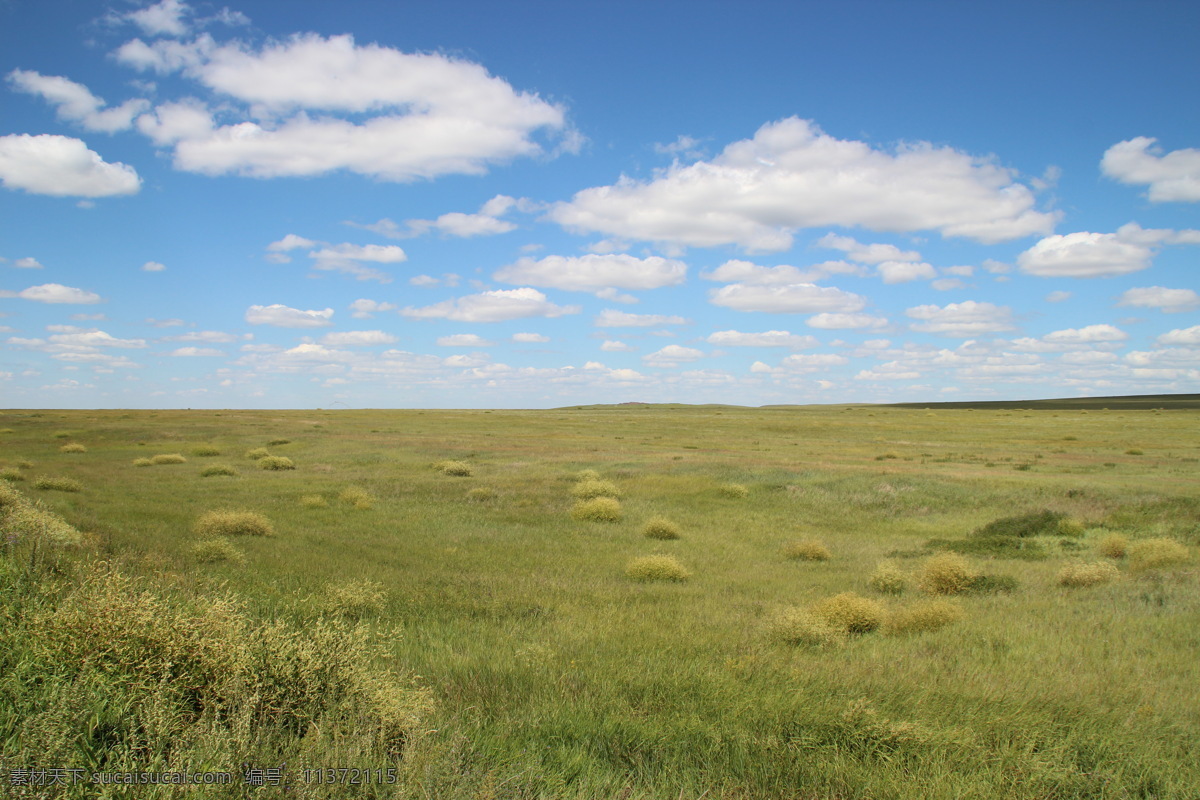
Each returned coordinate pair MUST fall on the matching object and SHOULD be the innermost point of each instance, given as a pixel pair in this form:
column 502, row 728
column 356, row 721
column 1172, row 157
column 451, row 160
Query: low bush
column 1156, row 553
column 143, row 462
column 482, row 494
column 1033, row 523
column 992, row 546
column 458, row 469
column 233, row 523
column 657, row 568
column 586, row 490
column 58, row 484
column 850, row 612
column 735, row 490
column 167, row 458
column 216, row 550
column 218, row 469
column 660, row 528
column 257, row 453
column 1069, row 526
column 888, row 578
column 801, row 627
column 73, row 447
column 275, row 463
column 11, row 474
column 206, row 451
column 1114, row 545
column 806, row 550
column 356, row 497
column 946, row 573
column 587, row 475
column 314, row 501
column 1133, row 451
column 1080, row 574
column 599, row 509
column 278, row 442
column 926, row 615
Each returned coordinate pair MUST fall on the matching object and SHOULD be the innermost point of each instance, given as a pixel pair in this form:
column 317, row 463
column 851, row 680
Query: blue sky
column 537, row 204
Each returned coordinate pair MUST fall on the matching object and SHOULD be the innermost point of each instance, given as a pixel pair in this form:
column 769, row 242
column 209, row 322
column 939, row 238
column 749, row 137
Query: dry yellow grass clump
column 58, row 484
column 256, row 453
column 586, row 490
column 73, row 447
column 926, row 615
column 217, row 469
column 276, row 463
column 946, row 573
column 735, row 490
column 888, row 578
column 167, row 458
column 482, row 494
column 807, row 550
column 216, row 550
column 1114, row 545
column 143, row 462
column 587, row 475
column 850, row 612
column 1080, row 574
column 1156, row 554
column 356, row 497
column 801, row 627
column 233, row 523
column 458, row 469
column 313, row 501
column 355, row 599
column 657, row 568
column 660, row 528
column 599, row 509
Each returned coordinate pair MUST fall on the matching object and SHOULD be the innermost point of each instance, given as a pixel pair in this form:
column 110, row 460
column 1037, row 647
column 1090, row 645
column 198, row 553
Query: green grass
column 548, row 672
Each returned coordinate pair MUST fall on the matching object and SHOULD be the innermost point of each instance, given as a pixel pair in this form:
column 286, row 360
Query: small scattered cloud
column 1099, row 255
column 493, row 306
column 75, row 103
column 365, row 309
column 1087, row 335
column 866, row 253
column 153, row 266
column 835, row 321
column 1167, row 300
column 595, row 273
column 1171, row 177
column 55, row 293
column 613, row 346
column 282, row 316
column 905, row 271
column 530, row 338
column 1058, row 297
column 60, row 166
column 610, row 318
column 796, row 298
column 764, row 339
column 672, row 355
column 464, row 340
column 27, row 263
column 968, row 318
column 358, row 338
column 1181, row 336
column 196, row 352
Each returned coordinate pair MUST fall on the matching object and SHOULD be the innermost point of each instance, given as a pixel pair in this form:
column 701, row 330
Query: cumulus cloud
column 485, row 223
column 613, row 346
column 1167, row 300
column 166, row 18
column 349, row 259
column 1182, row 336
column 1058, row 297
column 290, row 242
column 593, row 273
column 968, row 318
column 672, row 355
column 813, row 363
column 408, row 116
column 1174, row 176
column 530, row 338
column 357, row 338
column 1087, row 335
column 195, row 352
column 212, row 337
column 464, row 340
column 60, row 166
column 55, row 293
column 866, row 253
column 75, row 103
column 796, row 298
column 610, row 318
column 1097, row 255
column 94, row 338
column 493, row 306
column 153, row 266
column 764, row 339
column 792, row 175
column 27, row 263
column 365, row 309
column 905, row 271
column 846, row 321
column 747, row 272
column 282, row 316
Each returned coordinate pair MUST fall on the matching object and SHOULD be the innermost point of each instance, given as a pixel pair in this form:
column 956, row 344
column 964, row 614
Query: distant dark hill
column 1126, row 403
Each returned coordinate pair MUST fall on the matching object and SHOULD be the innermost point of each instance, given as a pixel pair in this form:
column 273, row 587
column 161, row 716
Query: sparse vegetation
column 1113, row 545
column 256, row 453
column 233, row 523
column 735, row 490
column 798, row 626
column 143, row 462
column 278, row 442
column 357, row 497
column 947, row 573
column 11, row 474
column 217, row 550
column 313, row 501
column 807, row 550
column 586, row 490
column 888, row 578
column 482, row 494
column 206, row 451
column 354, row 599
column 657, row 568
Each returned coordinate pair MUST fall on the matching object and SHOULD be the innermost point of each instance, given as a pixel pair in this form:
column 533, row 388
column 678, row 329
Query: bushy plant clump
column 482, row 494
column 926, row 615
column 586, row 490
column 276, row 463
column 356, row 497
column 1114, row 545
column 587, row 475
column 946, row 573
column 888, row 578
column 216, row 550
column 657, row 568
column 660, row 528
column 1080, row 574
column 807, row 550
column 58, row 484
column 458, row 469
column 73, row 447
column 143, row 462
column 798, row 626
column 735, row 490
column 31, row 535
column 278, row 442
column 256, row 453
column 1158, row 553
column 600, row 509
column 233, row 523
column 216, row 470
column 11, row 474
column 206, row 451
column 1033, row 523
column 314, row 501
column 850, row 612
column 167, row 458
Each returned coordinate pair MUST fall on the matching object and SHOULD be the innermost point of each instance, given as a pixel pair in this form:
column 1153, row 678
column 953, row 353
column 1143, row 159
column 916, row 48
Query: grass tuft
column 11, row 474
column 277, row 442
column 354, row 599
column 57, row 484
column 1156, row 553
column 657, row 568
column 1080, row 574
column 660, row 528
column 1114, row 545
column 357, row 498
column 798, row 626
column 735, row 490
column 233, row 523
column 482, row 494
column 314, row 501
column 458, row 469
column 850, row 612
column 599, row 509
column 143, row 462
column 206, row 451
column 586, row 490
column 276, row 463
column 168, row 458
column 807, row 550
column 257, row 453
column 946, row 573
column 218, row 469
column 925, row 615
column 587, row 475
column 888, row 578
column 1033, row 523
column 216, row 550
column 73, row 447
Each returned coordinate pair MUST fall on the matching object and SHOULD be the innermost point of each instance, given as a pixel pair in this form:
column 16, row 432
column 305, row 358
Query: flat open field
column 522, row 660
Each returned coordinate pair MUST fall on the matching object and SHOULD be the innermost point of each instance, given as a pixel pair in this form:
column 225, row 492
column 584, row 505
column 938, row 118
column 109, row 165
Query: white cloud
column 747, row 272
column 60, row 166
column 27, row 263
column 947, row 284
column 55, row 293
column 1171, row 177
column 672, row 355
column 158, row 323
column 1058, row 297
column 426, row 114
column 165, row 18
column 530, row 338
column 613, row 346
column 845, row 321
column 94, row 338
column 1088, row 357
column 891, row 371
column 358, row 338
column 1184, row 336
column 968, row 318
column 195, row 352
column 866, row 253
column 796, row 298
column 365, row 309
column 606, row 246
column 464, row 340
column 347, row 258
column 591, row 273
column 813, row 362
column 1096, row 255
column 905, row 271
column 493, row 306
column 153, row 266
column 765, row 339
column 290, row 242
column 486, row 223
column 792, row 175
column 1087, row 335
column 211, row 337
column 285, row 317
column 609, row 318
column 1167, row 300
column 75, row 103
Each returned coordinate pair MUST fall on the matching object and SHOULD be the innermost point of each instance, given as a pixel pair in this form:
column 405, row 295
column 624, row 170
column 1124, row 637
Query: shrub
column 276, row 442
column 25, row 465
column 993, row 546
column 58, row 484
column 1068, row 526
column 314, row 501
column 1114, row 545
column 801, row 627
column 807, row 550
column 168, row 458
column 1080, row 574
column 218, row 469
column 356, row 497
column 233, row 523
column 1033, row 523
column 586, row 490
column 850, row 612
column 926, row 615
column 354, row 599
column 275, row 463
column 735, row 490
column 657, row 568
column 213, row 551
column 482, row 494
column 25, row 524
column 587, row 475
column 11, row 474
column 143, row 462
column 1133, row 451
column 206, row 451
column 257, row 453
column 599, row 509
column 888, row 578
column 946, row 573
column 458, row 469
column 73, row 447
column 660, row 528
column 1155, row 554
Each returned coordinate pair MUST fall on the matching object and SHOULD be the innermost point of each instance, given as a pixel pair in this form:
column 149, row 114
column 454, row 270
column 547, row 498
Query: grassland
column 535, row 666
